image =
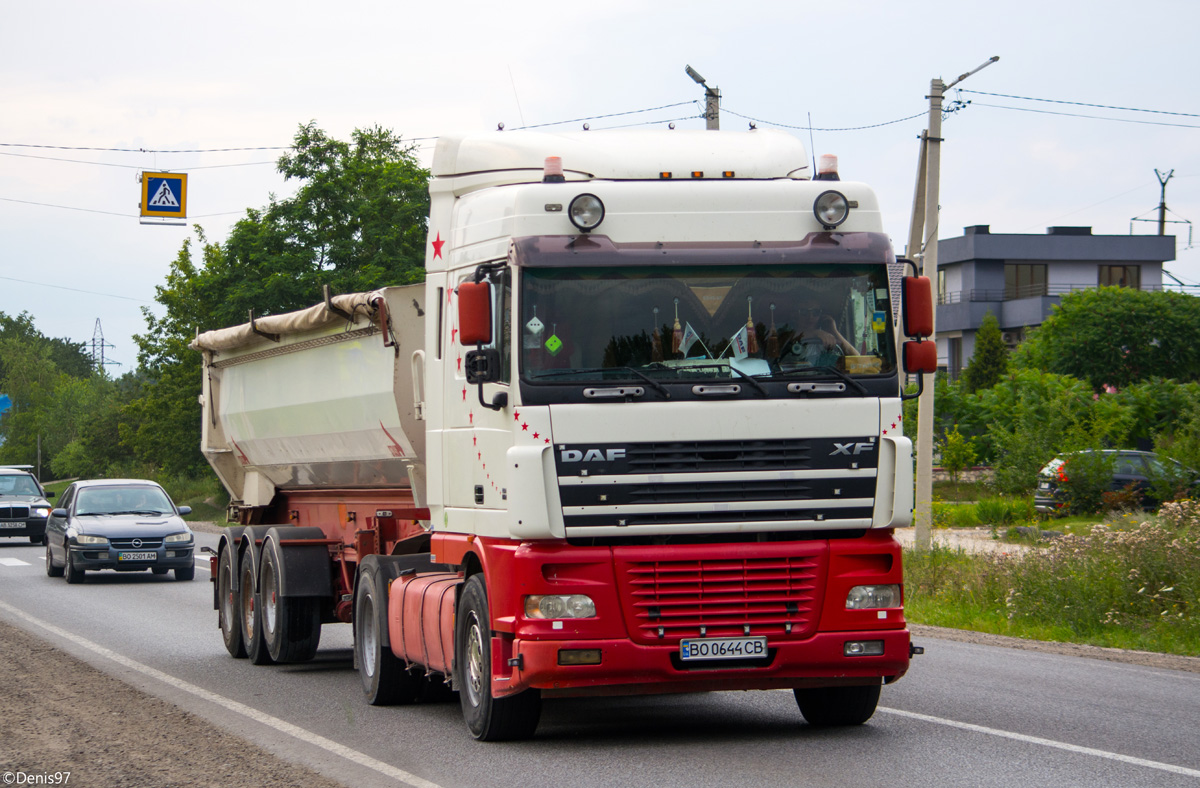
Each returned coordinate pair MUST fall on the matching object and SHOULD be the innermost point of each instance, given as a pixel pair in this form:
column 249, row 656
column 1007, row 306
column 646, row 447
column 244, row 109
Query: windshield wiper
column 660, row 388
column 761, row 388
column 860, row 388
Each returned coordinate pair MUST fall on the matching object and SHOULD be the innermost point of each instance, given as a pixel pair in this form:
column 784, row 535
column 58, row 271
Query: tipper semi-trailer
column 639, row 431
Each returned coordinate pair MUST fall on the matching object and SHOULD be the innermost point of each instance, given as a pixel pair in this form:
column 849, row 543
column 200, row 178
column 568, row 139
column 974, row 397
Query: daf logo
column 592, row 455
column 851, row 448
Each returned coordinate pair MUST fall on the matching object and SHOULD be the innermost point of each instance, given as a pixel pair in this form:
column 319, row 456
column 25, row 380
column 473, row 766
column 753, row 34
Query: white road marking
column 14, row 562
column 282, row 726
column 1058, row 745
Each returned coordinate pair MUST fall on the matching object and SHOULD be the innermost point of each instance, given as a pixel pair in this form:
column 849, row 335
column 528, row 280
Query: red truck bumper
column 627, row 668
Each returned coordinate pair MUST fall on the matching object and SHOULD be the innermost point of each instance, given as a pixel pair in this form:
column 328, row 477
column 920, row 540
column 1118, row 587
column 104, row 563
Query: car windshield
column 685, row 322
column 18, row 485
column 123, row 500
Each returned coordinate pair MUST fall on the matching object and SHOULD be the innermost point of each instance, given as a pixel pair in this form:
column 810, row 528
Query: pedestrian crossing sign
column 164, row 194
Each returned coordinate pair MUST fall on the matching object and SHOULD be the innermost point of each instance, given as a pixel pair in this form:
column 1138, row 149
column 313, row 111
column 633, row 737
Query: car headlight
column 559, row 606
column 831, row 209
column 89, row 539
column 586, row 212
column 178, row 538
column 870, row 597
column 41, row 511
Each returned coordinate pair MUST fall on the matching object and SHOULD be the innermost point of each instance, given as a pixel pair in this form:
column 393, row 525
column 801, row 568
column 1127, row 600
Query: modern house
column 1019, row 277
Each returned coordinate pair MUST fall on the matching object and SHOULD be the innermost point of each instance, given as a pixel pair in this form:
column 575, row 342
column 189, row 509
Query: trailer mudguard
column 304, row 570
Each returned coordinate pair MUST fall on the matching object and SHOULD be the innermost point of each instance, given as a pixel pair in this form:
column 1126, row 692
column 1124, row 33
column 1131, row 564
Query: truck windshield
column 686, row 322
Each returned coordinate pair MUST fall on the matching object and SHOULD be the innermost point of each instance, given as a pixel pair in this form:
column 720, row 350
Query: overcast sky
column 171, row 76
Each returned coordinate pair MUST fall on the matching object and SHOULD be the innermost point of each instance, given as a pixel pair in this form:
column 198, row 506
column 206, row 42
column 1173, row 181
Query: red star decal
column 893, row 425
column 516, row 415
column 471, row 416
column 479, row 455
column 485, row 468
column 464, row 393
column 474, row 440
column 525, row 428
column 535, row 436
column 438, row 243
column 460, row 363
column 900, row 417
column 547, row 440
column 885, row 432
column 453, row 334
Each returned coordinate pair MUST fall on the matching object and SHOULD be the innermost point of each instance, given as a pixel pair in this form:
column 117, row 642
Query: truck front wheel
column 831, row 706
column 385, row 679
column 229, row 609
column 488, row 718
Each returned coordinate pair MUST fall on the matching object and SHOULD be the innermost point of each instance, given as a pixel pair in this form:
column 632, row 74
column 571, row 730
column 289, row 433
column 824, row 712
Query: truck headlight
column 41, row 511
column 870, row 597
column 586, row 212
column 178, row 538
column 831, row 209
column 559, row 606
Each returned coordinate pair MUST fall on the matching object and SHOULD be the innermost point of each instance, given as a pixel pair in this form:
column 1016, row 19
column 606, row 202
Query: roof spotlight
column 586, row 212
column 831, row 209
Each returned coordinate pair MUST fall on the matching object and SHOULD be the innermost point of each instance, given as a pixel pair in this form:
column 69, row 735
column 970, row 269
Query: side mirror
column 475, row 313
column 916, row 306
column 49, row 494
column 58, row 513
column 920, row 357
column 184, row 510
column 482, row 366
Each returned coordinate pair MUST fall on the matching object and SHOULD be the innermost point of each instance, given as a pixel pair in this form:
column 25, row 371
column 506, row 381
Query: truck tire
column 386, row 680
column 291, row 626
column 51, row 569
column 229, row 606
column 836, row 706
column 252, row 634
column 488, row 718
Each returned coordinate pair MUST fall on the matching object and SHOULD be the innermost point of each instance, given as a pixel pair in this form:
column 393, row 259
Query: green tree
column 1117, row 336
column 957, row 453
column 357, row 222
column 989, row 362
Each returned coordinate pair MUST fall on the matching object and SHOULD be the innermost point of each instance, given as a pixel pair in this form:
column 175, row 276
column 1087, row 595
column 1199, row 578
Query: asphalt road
column 966, row 715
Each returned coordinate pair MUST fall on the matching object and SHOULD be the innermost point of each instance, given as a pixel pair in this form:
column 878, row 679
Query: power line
column 601, row 117
column 814, row 128
column 66, row 207
column 1078, row 103
column 129, row 166
column 138, row 150
column 76, row 290
column 1091, row 117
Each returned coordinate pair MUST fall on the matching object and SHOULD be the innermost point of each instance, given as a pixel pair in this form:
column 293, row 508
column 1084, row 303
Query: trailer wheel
column 386, row 680
column 229, row 609
column 835, row 706
column 252, row 634
column 291, row 626
column 488, row 718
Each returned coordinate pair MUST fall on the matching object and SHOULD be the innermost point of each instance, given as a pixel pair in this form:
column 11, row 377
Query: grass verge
column 1136, row 588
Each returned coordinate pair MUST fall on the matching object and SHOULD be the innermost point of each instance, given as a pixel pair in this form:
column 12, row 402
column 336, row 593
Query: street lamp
column 712, row 100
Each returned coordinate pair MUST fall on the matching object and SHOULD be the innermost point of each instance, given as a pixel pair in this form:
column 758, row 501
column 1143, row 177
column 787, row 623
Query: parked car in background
column 1136, row 469
column 129, row 525
column 24, row 504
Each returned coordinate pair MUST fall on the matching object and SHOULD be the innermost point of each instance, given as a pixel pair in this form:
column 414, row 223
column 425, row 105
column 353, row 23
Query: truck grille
column 716, row 596
column 14, row 512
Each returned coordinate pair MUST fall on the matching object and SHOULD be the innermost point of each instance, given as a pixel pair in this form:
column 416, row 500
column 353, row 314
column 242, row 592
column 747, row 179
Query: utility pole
column 923, row 241
column 1162, row 203
column 712, row 101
